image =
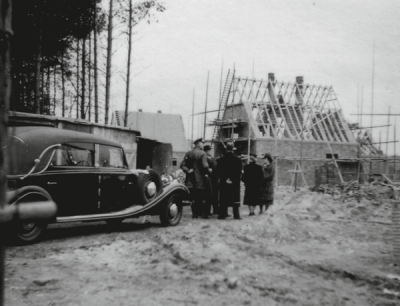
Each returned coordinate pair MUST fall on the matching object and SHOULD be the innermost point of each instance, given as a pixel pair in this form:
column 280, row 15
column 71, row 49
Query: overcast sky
column 328, row 42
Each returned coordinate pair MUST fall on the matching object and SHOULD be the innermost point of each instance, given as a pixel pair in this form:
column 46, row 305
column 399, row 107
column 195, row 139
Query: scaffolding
column 252, row 109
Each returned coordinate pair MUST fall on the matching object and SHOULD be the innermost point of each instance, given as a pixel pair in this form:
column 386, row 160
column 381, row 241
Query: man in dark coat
column 252, row 178
column 212, row 186
column 195, row 166
column 229, row 170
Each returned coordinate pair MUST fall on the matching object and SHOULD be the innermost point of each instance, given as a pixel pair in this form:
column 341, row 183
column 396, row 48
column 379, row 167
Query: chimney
column 299, row 89
column 299, row 80
column 271, row 77
column 140, row 110
column 159, row 112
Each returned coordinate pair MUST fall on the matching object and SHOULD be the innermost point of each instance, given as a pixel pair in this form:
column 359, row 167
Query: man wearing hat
column 252, row 178
column 195, row 166
column 229, row 170
column 212, row 186
column 267, row 194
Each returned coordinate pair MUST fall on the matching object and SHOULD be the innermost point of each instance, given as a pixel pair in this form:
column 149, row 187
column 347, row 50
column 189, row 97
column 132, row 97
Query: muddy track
column 272, row 259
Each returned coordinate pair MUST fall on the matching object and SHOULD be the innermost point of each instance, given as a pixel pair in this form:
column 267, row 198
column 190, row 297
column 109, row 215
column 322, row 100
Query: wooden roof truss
column 292, row 110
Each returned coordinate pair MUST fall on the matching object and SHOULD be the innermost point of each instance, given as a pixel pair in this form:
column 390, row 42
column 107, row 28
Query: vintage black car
column 88, row 179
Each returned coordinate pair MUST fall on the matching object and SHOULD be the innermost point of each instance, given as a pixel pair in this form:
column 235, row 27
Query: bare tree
column 128, row 72
column 5, row 92
column 37, row 74
column 47, row 105
column 135, row 15
column 54, row 89
column 90, row 76
column 77, row 78
column 63, row 85
column 108, row 67
column 83, row 78
column 96, row 86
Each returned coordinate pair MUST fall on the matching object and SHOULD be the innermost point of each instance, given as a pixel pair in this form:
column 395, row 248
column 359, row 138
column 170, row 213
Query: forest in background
column 62, row 54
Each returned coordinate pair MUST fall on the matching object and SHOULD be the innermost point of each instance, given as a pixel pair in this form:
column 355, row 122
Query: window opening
column 74, row 154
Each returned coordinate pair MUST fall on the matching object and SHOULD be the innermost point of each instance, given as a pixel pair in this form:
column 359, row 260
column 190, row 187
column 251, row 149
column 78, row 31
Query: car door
column 73, row 180
column 116, row 180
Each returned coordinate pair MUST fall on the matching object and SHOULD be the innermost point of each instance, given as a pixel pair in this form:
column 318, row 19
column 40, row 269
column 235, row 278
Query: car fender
column 13, row 196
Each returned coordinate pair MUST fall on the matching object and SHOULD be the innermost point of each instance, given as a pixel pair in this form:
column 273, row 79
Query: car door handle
column 51, row 183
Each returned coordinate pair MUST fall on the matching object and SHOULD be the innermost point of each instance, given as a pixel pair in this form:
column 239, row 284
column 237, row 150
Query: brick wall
column 289, row 151
column 310, row 149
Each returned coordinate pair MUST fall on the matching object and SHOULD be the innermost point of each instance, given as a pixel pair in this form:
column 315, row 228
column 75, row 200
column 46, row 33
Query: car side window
column 74, row 154
column 109, row 156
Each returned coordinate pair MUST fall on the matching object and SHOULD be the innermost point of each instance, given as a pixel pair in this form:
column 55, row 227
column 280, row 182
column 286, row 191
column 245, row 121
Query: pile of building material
column 375, row 191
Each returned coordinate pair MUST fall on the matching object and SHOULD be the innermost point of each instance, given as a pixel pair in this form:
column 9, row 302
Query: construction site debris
column 375, row 191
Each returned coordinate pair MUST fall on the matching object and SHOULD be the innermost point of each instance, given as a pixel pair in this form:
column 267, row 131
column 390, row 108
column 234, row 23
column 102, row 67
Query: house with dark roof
column 165, row 128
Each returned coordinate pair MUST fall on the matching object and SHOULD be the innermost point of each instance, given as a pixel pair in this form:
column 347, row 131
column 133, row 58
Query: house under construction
column 298, row 123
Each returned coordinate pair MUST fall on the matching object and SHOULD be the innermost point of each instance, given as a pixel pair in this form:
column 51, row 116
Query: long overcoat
column 229, row 170
column 212, row 190
column 253, row 180
column 195, row 159
column 267, row 196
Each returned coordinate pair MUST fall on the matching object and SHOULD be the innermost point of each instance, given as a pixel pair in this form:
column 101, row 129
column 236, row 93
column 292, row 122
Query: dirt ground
column 308, row 249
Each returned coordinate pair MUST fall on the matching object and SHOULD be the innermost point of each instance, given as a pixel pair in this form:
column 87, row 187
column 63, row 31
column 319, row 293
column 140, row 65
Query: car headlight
column 166, row 178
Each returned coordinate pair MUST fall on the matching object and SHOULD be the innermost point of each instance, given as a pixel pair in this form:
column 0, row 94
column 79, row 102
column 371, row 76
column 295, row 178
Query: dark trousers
column 211, row 197
column 223, row 210
column 215, row 205
column 197, row 196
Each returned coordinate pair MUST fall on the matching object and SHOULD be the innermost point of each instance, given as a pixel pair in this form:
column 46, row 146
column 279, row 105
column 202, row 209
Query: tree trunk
column 47, row 109
column 128, row 71
column 37, row 75
column 96, row 88
column 26, row 83
column 16, row 80
column 63, row 86
column 83, row 78
column 77, row 78
column 30, row 86
column 90, row 77
column 42, row 87
column 5, row 92
column 54, row 89
column 108, row 68
column 24, row 76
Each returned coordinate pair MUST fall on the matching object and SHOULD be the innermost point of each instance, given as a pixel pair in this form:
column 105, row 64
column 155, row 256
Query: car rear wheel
column 171, row 211
column 149, row 186
column 32, row 231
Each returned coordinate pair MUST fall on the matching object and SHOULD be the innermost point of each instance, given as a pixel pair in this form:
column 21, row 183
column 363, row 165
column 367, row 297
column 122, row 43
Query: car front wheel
column 171, row 211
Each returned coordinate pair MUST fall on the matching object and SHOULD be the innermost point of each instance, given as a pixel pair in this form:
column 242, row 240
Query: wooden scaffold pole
column 387, row 143
column 193, row 115
column 205, row 108
column 395, row 157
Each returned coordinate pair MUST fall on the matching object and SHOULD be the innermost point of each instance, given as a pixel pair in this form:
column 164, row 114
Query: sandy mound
column 297, row 216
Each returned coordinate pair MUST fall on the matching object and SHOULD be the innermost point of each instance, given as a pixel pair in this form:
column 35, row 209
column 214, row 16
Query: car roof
column 26, row 143
column 50, row 136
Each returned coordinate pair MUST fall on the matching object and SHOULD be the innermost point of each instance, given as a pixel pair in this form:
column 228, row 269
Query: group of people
column 214, row 185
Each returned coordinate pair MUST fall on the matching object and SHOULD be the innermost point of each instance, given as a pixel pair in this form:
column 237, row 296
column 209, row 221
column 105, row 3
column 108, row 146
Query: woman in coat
column 252, row 178
column 267, row 194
